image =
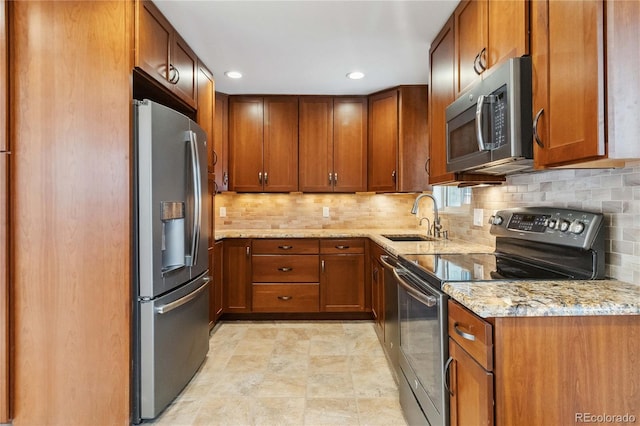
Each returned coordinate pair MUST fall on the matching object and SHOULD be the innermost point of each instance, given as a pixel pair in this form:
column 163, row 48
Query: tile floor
column 290, row 373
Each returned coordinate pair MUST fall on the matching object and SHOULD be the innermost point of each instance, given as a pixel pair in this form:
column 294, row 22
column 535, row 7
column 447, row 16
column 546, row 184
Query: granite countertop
column 547, row 298
column 488, row 298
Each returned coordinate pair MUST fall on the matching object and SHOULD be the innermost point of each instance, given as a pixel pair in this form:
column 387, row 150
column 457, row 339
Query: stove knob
column 552, row 223
column 497, row 220
column 564, row 226
column 577, row 227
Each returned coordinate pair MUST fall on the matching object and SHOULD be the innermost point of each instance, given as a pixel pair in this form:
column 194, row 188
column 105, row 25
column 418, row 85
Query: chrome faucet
column 436, row 219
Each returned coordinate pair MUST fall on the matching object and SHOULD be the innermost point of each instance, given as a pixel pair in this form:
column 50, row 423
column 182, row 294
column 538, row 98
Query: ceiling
column 308, row 47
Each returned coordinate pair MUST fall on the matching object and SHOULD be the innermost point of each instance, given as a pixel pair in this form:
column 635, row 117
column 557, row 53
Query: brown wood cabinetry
column 572, row 365
column 4, row 211
column 333, row 144
column 236, row 275
column 206, row 110
column 470, row 370
column 397, row 142
column 285, row 275
column 572, row 93
column 377, row 289
column 342, row 283
column 487, row 33
column 163, row 55
column 70, row 244
column 216, row 293
column 221, row 142
column 263, row 143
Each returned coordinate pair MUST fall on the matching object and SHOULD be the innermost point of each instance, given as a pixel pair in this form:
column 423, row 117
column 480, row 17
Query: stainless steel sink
column 408, row 237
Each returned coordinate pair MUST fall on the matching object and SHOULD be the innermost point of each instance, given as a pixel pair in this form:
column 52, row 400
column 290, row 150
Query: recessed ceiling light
column 355, row 75
column 233, row 74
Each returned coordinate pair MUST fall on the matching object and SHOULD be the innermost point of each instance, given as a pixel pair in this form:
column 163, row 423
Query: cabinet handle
column 285, row 298
column 248, row 251
column 426, row 165
column 322, row 265
column 260, row 177
column 447, row 378
column 285, row 269
column 341, row 247
column 285, row 247
column 462, row 334
column 393, row 175
column 215, row 187
column 330, row 178
column 176, row 74
column 482, row 62
column 215, row 158
column 335, row 178
column 266, row 178
column 475, row 64
column 225, row 178
column 536, row 135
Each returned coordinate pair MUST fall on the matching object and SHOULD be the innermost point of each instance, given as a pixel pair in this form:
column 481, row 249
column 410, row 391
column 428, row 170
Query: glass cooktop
column 440, row 268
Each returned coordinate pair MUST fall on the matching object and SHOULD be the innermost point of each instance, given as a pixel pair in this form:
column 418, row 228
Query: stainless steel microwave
column 489, row 127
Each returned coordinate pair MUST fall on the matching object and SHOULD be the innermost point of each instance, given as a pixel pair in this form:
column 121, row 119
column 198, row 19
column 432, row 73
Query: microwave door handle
column 479, row 136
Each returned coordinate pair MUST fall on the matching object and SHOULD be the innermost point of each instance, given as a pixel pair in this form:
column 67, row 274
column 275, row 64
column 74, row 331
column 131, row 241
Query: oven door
column 423, row 350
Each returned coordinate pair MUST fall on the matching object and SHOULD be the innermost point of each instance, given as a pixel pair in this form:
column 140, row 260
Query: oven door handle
column 429, row 301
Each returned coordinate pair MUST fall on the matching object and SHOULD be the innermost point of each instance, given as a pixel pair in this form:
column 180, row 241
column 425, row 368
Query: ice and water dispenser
column 173, row 236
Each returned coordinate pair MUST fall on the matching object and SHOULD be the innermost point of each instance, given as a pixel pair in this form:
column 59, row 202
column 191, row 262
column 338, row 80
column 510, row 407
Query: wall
column 614, row 192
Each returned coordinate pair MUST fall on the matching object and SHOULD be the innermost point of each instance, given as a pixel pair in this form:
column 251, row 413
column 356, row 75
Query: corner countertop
column 488, row 298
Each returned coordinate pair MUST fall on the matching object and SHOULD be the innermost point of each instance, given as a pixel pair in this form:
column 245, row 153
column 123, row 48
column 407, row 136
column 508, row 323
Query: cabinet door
column 185, row 64
column 153, row 38
column 413, row 144
column 377, row 296
column 342, row 283
column 4, row 283
column 236, row 275
column 508, row 30
column 245, row 144
column 568, row 80
column 316, row 143
column 471, row 399
column 217, row 266
column 349, row 144
column 442, row 87
column 280, row 144
column 221, row 141
column 383, row 141
column 205, row 113
column 471, row 37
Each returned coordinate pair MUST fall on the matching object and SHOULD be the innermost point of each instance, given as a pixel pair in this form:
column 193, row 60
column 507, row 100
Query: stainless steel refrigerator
column 171, row 266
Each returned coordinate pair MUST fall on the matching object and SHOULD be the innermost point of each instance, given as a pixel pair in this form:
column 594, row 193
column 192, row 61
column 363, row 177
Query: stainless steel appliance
column 531, row 243
column 171, row 291
column 489, row 127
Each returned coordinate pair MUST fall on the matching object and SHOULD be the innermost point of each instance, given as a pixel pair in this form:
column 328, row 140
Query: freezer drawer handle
column 186, row 299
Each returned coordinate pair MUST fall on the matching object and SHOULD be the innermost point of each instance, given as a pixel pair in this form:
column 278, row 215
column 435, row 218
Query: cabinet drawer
column 342, row 246
column 472, row 333
column 285, row 269
column 286, row 297
column 285, row 246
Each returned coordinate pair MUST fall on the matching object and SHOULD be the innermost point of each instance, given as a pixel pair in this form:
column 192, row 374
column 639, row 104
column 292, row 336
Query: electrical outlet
column 223, row 212
column 325, row 211
column 477, row 217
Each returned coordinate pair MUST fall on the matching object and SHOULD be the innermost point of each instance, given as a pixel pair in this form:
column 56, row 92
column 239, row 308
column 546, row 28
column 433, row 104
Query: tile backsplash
column 614, row 192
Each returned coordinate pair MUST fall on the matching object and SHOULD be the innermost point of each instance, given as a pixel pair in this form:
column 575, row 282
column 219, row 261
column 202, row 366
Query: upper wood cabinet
column 163, row 54
column 206, row 111
column 263, row 143
column 221, row 141
column 487, row 33
column 333, row 144
column 397, row 142
column 575, row 85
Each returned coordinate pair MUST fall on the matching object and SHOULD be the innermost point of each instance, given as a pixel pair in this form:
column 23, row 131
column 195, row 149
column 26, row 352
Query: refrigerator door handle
column 197, row 198
column 183, row 300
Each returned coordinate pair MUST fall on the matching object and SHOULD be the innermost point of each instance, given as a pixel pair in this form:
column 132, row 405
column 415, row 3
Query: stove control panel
column 573, row 228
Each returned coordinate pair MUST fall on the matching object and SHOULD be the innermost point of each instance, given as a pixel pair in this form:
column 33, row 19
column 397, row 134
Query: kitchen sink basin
column 407, row 237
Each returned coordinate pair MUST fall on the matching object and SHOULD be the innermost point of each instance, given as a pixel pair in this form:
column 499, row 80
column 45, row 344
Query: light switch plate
column 325, row 211
column 477, row 217
column 223, row 212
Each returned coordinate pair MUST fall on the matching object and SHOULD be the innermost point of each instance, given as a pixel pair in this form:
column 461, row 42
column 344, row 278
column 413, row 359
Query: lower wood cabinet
column 342, row 283
column 236, row 273
column 542, row 370
column 216, row 292
column 290, row 297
